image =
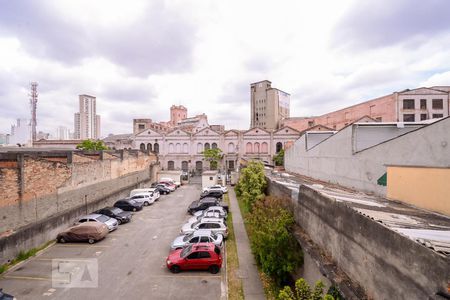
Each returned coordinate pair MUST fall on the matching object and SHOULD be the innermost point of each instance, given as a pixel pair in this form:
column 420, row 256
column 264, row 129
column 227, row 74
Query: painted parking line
column 82, row 246
column 64, row 259
column 185, row 276
column 34, row 278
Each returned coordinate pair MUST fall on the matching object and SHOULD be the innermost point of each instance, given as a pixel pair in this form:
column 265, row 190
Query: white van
column 146, row 190
column 144, row 198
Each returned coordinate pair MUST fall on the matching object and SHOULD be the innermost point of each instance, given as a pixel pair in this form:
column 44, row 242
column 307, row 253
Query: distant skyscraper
column 269, row 106
column 87, row 122
column 21, row 133
column 62, row 133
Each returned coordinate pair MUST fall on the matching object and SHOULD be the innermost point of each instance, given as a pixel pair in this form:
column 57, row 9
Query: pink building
column 406, row 106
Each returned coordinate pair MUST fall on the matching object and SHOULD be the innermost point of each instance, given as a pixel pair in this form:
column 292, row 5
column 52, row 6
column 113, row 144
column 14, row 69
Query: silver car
column 215, row 225
column 110, row 222
column 145, row 198
column 216, row 209
column 206, row 215
column 199, row 236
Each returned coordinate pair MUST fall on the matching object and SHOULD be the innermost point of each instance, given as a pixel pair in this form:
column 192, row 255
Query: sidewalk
column 248, row 272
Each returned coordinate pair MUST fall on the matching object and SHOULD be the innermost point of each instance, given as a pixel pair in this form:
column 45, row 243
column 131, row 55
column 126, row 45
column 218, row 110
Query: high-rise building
column 21, row 133
column 87, row 122
column 269, row 106
column 62, row 133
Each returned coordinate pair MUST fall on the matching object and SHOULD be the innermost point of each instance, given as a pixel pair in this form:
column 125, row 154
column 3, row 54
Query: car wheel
column 175, row 269
column 119, row 221
column 145, row 203
column 91, row 241
column 61, row 240
column 134, row 208
column 214, row 269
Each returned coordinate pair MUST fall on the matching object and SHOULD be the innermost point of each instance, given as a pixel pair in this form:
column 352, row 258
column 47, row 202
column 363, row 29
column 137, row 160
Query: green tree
column 92, row 145
column 278, row 159
column 303, row 292
column 252, row 183
column 213, row 155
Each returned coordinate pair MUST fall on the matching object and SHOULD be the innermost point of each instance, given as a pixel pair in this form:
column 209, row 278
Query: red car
column 201, row 256
column 171, row 186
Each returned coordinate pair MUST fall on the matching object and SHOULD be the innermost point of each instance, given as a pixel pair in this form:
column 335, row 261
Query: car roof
column 203, row 246
column 141, row 194
column 202, row 232
column 215, row 207
column 212, row 220
column 210, row 199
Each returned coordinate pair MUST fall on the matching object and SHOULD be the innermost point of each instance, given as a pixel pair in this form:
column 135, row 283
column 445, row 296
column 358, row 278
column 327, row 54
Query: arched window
column 279, row 146
column 149, row 147
column 231, row 148
column 207, row 146
column 171, row 148
column 170, row 165
column 214, row 145
column 256, row 147
column 199, row 148
column 142, row 146
column 199, row 166
column 178, row 148
column 185, row 148
column 264, row 148
column 184, row 166
column 156, row 148
column 249, row 148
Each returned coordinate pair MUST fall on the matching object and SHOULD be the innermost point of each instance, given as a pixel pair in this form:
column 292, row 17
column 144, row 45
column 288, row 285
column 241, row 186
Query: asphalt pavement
column 128, row 264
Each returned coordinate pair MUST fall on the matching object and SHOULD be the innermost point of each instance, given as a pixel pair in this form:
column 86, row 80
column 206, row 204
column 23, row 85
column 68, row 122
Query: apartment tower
column 87, row 122
column 269, row 106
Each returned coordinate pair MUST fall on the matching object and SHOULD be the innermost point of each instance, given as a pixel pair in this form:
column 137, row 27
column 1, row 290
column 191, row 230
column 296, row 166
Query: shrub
column 303, row 292
column 251, row 184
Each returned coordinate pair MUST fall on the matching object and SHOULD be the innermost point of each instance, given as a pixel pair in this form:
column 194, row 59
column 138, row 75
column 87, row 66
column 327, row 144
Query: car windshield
column 102, row 219
column 132, row 201
column 188, row 237
column 214, row 235
column 195, row 224
column 186, row 251
column 116, row 211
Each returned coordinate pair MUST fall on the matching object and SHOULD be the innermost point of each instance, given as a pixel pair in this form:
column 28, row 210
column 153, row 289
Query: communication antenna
column 33, row 105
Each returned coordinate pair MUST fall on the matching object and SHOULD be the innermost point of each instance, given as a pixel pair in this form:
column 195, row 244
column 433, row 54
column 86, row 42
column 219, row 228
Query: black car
column 129, row 205
column 213, row 193
column 4, row 296
column 204, row 203
column 162, row 188
column 114, row 212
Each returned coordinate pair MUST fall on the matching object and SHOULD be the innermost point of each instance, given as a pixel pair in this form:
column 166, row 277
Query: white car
column 170, row 180
column 145, row 190
column 206, row 215
column 215, row 225
column 216, row 187
column 199, row 236
column 144, row 198
column 216, row 209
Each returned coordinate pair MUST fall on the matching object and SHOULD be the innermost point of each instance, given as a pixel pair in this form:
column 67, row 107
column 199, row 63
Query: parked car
column 162, row 188
column 206, row 215
column 217, row 209
column 170, row 180
column 5, row 296
column 110, row 222
column 218, row 202
column 205, row 256
column 202, row 205
column 128, row 205
column 215, row 225
column 153, row 191
column 90, row 232
column 114, row 212
column 145, row 198
column 199, row 236
column 216, row 187
column 172, row 187
column 213, row 193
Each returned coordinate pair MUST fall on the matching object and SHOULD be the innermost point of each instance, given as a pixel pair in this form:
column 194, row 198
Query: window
column 279, row 146
column 264, row 147
column 230, row 148
column 256, row 147
column 199, row 148
column 423, row 103
column 310, row 123
column 207, row 146
column 437, row 116
column 156, row 148
column 178, row 148
column 423, row 117
column 141, row 126
column 214, row 145
column 142, row 146
column 231, row 164
column 149, row 147
column 185, row 148
column 438, row 104
column 171, row 165
column 248, row 148
column 184, row 166
column 408, row 104
column 171, row 148
column 409, row 118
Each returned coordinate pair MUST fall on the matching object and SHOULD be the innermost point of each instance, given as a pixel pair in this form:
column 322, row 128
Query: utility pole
column 33, row 105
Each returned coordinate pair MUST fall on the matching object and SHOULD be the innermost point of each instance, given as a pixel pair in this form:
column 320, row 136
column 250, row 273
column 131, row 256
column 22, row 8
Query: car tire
column 61, row 240
column 91, row 241
column 214, row 269
column 134, row 208
column 175, row 269
column 119, row 221
column 146, row 203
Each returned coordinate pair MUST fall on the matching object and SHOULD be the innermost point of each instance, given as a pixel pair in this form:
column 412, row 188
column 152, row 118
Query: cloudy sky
column 139, row 57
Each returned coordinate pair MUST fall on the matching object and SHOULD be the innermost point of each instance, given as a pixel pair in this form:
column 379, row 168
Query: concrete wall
column 387, row 265
column 422, row 187
column 334, row 160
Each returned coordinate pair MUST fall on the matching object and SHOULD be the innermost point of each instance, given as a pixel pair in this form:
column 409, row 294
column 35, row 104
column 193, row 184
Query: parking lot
column 130, row 262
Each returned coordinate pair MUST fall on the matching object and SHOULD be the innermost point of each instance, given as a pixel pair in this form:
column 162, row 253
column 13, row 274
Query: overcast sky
column 139, row 57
